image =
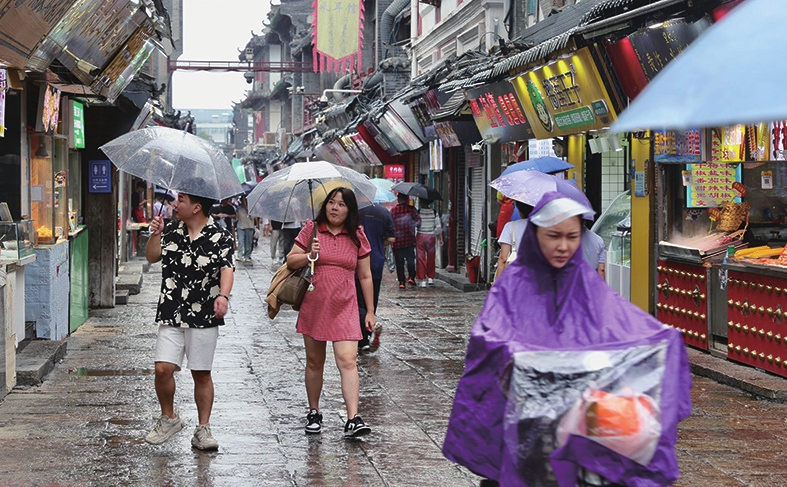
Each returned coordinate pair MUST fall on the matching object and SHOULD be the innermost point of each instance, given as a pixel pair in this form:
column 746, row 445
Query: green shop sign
column 78, row 114
column 575, row 118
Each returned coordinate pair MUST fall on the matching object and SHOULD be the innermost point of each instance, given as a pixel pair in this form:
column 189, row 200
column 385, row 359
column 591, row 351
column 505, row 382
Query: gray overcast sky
column 215, row 31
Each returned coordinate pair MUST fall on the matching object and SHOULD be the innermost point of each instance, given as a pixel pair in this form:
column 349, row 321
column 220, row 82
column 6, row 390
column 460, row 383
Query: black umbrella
column 248, row 186
column 418, row 190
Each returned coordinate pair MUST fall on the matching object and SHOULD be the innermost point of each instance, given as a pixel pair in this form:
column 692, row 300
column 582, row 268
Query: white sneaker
column 422, row 284
column 164, row 429
column 203, row 440
column 430, row 281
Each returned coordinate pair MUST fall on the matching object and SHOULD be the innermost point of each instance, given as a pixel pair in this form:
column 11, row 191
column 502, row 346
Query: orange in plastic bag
column 627, row 423
column 611, row 415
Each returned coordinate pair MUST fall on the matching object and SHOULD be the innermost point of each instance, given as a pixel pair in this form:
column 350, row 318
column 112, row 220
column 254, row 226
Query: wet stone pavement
column 84, row 426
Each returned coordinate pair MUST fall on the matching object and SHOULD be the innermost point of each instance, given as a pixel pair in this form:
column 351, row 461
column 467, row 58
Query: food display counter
column 757, row 316
column 683, row 300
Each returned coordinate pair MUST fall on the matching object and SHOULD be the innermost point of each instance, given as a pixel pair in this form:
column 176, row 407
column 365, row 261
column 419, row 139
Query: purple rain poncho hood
column 535, row 307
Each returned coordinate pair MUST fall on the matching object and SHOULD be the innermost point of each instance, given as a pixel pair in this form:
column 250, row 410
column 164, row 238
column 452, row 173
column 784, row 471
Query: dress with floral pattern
column 190, row 274
column 330, row 312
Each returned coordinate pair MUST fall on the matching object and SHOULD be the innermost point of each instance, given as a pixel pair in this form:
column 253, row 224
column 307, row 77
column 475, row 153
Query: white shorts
column 197, row 344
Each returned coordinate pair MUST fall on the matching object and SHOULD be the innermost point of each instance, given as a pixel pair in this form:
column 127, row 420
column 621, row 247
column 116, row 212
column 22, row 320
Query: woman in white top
column 511, row 236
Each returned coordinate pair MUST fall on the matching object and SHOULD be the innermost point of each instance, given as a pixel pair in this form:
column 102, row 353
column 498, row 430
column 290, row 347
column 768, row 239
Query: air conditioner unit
column 269, row 138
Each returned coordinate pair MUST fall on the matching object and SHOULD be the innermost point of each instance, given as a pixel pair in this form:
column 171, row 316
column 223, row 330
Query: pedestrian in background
column 138, row 202
column 276, row 241
column 593, row 252
column 406, row 220
column 289, row 231
column 245, row 231
column 511, row 237
column 193, row 302
column 378, row 226
column 330, row 311
column 427, row 236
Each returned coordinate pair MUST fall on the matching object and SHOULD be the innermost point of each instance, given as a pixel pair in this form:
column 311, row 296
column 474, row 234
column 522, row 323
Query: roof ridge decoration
column 338, row 35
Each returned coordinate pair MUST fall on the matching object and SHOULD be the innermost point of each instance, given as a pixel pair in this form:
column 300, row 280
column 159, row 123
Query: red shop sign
column 394, row 172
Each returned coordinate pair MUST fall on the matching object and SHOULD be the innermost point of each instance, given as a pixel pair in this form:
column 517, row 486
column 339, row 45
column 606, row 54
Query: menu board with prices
column 713, row 184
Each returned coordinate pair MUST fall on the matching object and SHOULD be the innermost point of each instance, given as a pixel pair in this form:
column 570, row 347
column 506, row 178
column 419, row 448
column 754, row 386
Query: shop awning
column 452, row 108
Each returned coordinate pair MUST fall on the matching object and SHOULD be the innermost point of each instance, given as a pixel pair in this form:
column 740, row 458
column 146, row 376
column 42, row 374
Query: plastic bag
column 390, row 262
column 627, row 423
column 542, row 387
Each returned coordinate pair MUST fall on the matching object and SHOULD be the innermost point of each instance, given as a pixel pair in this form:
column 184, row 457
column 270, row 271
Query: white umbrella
column 732, row 74
column 296, row 192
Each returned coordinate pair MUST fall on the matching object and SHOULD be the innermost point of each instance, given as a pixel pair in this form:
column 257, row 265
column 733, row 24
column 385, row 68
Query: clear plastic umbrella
column 296, row 192
column 175, row 159
column 529, row 186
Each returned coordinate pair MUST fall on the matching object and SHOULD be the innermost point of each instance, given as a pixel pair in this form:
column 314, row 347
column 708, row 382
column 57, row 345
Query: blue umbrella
column 384, row 196
column 529, row 186
column 546, row 164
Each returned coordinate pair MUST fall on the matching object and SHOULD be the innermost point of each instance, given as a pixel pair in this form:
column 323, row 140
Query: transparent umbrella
column 174, row 159
column 529, row 186
column 296, row 192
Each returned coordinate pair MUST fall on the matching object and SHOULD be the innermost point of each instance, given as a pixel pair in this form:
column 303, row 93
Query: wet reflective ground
column 84, row 425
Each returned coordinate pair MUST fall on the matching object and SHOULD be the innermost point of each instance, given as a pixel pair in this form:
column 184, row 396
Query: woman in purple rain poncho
column 550, row 300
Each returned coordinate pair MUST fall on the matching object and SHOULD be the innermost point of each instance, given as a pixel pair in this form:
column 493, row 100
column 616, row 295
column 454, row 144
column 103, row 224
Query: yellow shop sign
column 565, row 97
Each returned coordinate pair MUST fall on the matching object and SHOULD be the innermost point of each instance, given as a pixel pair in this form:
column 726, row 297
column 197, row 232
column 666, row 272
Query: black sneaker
column 356, row 427
column 313, row 422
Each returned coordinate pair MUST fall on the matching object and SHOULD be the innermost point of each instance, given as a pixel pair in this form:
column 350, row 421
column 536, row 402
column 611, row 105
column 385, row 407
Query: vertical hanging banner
column 3, row 89
column 338, row 35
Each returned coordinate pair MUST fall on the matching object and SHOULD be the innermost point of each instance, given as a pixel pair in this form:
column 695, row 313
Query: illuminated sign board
column 498, row 114
column 78, row 117
column 671, row 146
column 565, row 97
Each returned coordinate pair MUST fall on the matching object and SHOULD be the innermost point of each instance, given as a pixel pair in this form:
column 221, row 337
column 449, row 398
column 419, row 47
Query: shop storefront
column 721, row 273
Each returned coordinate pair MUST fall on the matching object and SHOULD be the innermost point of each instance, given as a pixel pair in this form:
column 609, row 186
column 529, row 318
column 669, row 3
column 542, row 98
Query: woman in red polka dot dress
column 330, row 312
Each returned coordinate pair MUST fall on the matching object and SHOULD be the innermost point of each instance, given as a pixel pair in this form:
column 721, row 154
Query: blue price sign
column 100, row 177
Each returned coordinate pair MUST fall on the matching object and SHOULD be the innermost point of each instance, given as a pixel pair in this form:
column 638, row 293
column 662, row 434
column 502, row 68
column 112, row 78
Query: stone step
column 37, row 359
column 131, row 281
column 121, row 296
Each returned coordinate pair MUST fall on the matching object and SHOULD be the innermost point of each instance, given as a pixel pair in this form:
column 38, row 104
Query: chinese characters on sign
column 672, row 146
column 394, row 172
column 337, row 35
column 565, row 97
column 655, row 47
column 712, row 184
column 727, row 144
column 100, row 177
column 497, row 113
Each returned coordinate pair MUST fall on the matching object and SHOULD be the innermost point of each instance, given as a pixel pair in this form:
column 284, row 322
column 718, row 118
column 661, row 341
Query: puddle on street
column 82, row 372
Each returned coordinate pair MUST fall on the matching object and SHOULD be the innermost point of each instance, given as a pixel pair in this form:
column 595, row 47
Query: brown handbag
column 297, row 283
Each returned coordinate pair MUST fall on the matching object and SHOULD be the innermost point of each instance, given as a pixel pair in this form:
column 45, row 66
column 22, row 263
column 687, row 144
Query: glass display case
column 607, row 224
column 16, row 240
column 48, row 188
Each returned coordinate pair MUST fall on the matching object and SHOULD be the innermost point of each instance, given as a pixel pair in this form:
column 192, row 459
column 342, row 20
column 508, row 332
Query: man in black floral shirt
column 197, row 273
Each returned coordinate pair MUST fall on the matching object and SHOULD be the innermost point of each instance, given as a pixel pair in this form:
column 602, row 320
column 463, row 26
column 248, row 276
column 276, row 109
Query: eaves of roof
column 452, row 108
